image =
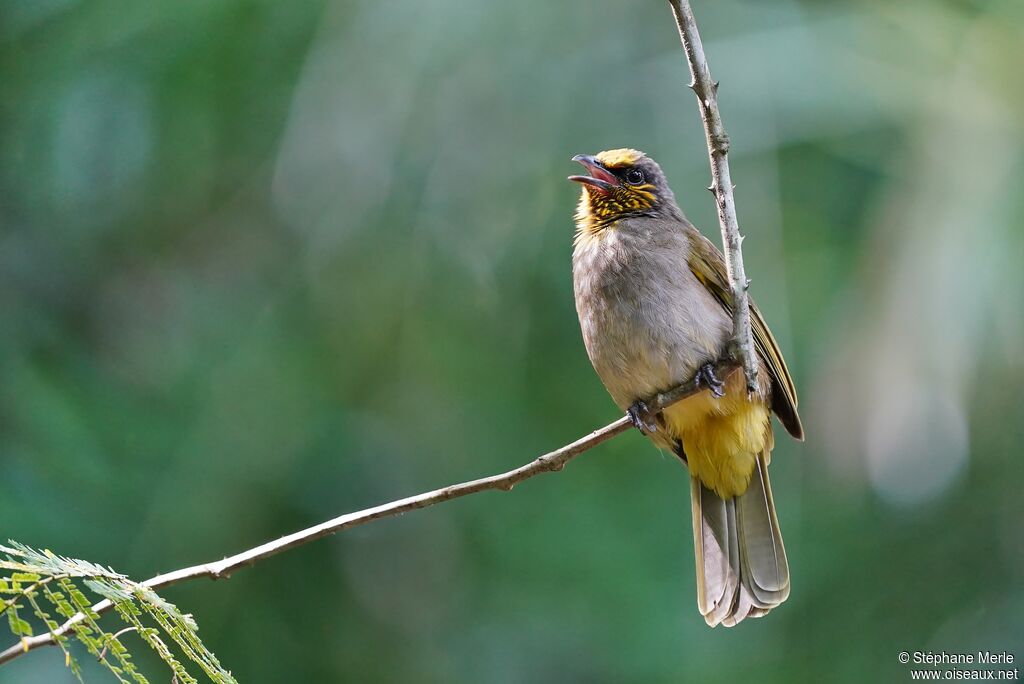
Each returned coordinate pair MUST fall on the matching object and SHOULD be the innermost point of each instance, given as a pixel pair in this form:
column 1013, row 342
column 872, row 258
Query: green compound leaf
column 71, row 587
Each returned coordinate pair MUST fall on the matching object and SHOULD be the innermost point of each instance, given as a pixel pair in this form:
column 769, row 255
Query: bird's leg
column 642, row 417
column 706, row 378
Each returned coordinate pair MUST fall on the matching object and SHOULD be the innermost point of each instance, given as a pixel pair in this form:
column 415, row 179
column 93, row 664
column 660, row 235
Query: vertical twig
column 742, row 352
column 741, row 345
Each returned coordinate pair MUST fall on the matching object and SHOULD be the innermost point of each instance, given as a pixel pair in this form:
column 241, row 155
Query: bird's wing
column 708, row 265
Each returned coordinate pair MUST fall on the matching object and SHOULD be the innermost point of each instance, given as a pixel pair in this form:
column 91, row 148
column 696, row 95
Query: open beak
column 600, row 178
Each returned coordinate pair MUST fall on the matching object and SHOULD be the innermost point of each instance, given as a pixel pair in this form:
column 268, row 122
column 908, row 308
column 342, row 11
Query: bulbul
column 655, row 310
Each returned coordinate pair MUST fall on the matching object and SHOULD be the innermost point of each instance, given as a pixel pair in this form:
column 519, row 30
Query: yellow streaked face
column 620, row 183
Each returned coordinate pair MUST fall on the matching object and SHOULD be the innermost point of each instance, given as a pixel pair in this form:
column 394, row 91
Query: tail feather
column 763, row 557
column 741, row 563
column 717, row 549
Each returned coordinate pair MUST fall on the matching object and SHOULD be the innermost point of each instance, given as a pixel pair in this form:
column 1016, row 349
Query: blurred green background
column 263, row 263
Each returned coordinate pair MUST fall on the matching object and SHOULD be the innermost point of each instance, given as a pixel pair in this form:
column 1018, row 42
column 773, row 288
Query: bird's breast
column 647, row 322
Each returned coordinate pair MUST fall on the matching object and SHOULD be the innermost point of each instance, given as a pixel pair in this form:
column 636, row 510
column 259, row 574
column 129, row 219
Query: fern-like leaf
column 65, row 585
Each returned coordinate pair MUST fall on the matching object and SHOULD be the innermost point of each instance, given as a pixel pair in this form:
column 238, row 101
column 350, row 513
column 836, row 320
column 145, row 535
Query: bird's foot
column 642, row 417
column 706, row 378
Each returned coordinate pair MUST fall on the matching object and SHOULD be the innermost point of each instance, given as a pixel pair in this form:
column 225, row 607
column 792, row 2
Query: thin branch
column 706, row 90
column 741, row 354
column 550, row 462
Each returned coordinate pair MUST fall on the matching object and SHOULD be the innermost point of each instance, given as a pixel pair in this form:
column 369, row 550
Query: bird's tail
column 741, row 563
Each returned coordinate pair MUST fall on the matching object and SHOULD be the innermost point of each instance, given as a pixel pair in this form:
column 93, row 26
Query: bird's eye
column 634, row 177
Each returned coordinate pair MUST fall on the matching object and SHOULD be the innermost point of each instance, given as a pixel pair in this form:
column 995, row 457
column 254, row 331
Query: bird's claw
column 706, row 378
column 642, row 417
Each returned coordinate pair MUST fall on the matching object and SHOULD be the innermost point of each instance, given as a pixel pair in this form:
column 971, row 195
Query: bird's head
column 620, row 183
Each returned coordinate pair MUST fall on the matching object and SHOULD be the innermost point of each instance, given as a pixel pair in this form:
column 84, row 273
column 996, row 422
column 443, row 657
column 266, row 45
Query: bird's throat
column 598, row 210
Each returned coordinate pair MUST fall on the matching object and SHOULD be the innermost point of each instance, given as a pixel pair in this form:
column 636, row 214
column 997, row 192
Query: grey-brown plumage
column 654, row 308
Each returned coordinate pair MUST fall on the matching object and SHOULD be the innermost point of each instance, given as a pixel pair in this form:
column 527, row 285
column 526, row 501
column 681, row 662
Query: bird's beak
column 600, row 178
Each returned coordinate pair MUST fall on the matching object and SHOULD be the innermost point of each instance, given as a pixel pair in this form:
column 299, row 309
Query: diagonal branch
column 741, row 354
column 549, row 462
column 706, row 89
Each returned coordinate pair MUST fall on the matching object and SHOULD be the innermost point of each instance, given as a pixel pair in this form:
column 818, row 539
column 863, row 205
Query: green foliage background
column 262, row 263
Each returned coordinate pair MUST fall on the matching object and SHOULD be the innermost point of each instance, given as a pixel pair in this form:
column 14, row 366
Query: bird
column 655, row 311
